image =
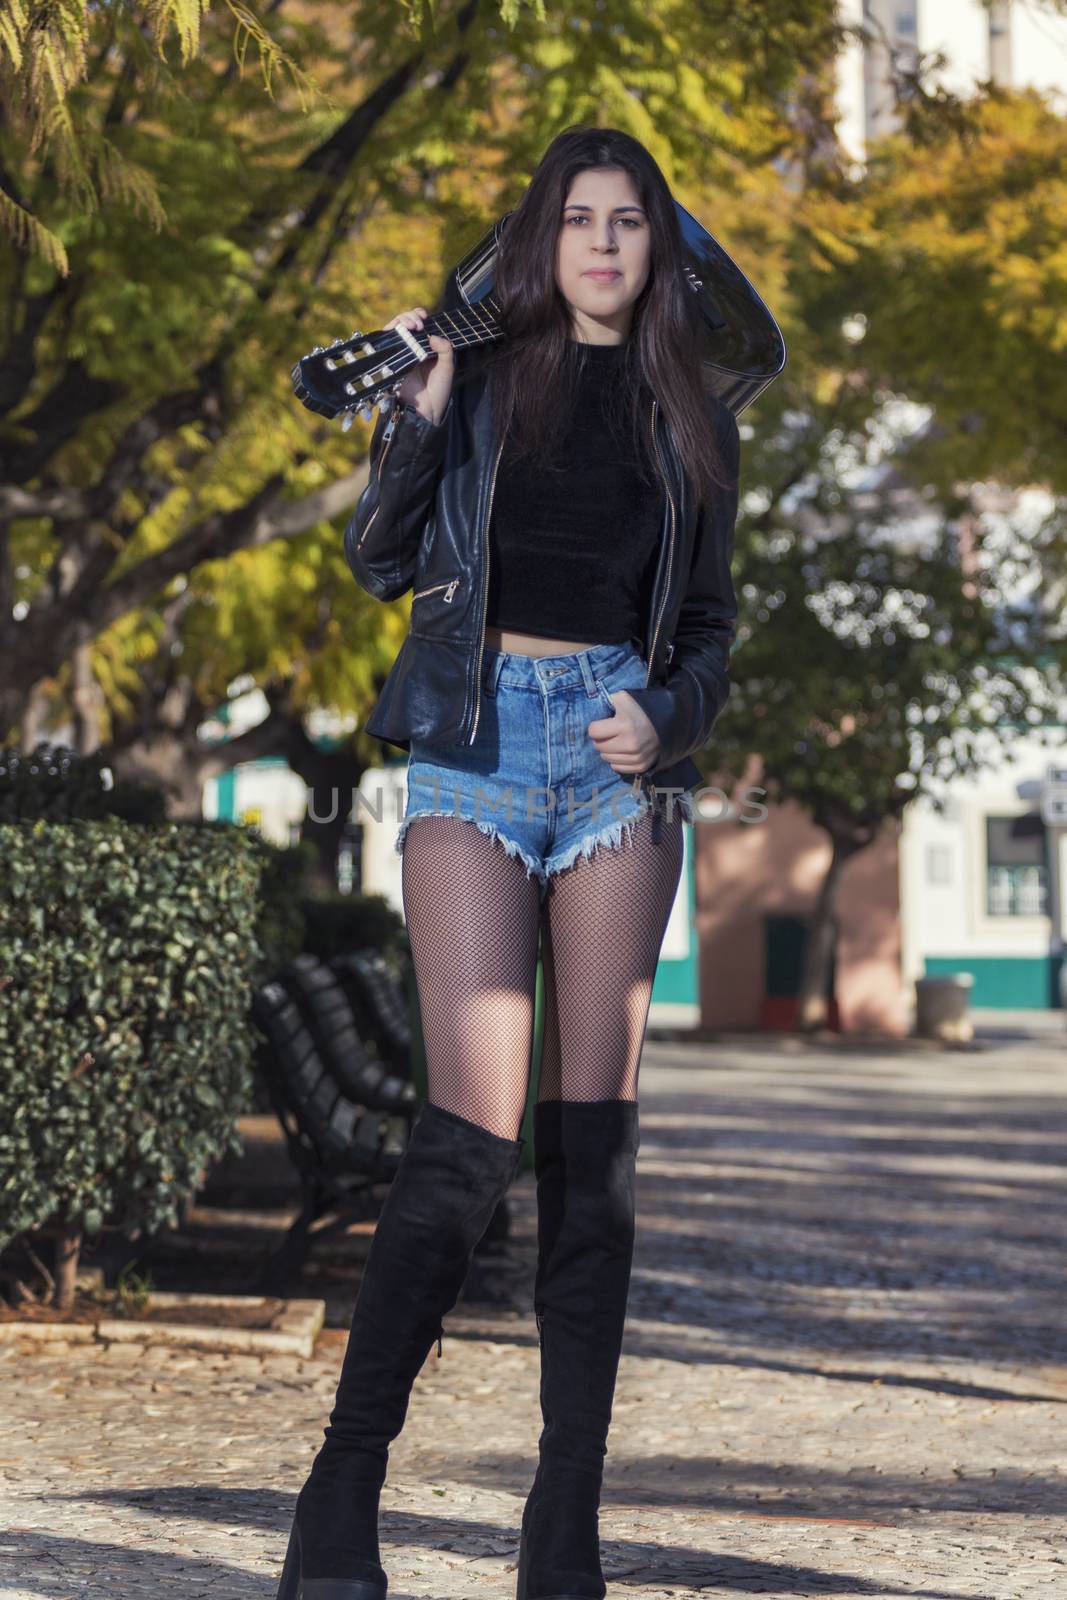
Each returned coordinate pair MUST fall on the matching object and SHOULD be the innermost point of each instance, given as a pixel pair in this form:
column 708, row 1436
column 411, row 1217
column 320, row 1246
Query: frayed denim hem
column 532, row 865
column 686, row 805
column 613, row 834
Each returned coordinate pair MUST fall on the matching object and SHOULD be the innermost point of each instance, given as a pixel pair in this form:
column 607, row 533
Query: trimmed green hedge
column 281, row 925
column 338, row 923
column 127, row 954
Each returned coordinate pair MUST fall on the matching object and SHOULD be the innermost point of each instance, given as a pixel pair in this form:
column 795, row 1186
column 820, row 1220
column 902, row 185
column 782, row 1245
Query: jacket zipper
column 387, row 439
column 485, row 594
column 450, row 589
column 642, row 781
column 670, row 554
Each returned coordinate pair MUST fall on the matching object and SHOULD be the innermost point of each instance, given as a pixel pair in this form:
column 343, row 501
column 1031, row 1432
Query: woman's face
column 604, row 230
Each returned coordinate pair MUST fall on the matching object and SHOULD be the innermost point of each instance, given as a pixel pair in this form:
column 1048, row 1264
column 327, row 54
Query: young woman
column 562, row 504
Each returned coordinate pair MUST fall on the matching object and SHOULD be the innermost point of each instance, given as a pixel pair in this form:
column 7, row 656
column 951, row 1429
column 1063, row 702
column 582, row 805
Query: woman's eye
column 629, row 222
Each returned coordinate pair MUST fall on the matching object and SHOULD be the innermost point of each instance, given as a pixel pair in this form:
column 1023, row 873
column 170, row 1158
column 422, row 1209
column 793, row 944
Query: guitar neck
column 467, row 325
column 351, row 375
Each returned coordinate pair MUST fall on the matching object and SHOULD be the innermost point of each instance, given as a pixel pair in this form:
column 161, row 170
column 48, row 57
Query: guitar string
column 477, row 330
column 464, row 335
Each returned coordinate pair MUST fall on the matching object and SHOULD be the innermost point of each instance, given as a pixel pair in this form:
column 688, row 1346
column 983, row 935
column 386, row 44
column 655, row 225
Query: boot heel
column 520, row 1582
column 341, row 1589
column 293, row 1587
column 289, row 1588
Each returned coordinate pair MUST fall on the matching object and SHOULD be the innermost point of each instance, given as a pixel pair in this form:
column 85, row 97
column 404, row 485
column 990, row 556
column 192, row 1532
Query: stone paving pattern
column 844, row 1370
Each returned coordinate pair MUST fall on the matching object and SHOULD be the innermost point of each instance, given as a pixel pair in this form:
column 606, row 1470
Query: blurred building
column 1013, row 43
column 982, row 872
column 266, row 791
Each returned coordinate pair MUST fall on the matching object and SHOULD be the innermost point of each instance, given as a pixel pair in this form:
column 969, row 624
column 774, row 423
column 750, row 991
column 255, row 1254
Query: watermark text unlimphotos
column 539, row 802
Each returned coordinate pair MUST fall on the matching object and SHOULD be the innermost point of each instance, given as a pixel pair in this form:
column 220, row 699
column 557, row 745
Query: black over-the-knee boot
column 440, row 1202
column 585, row 1155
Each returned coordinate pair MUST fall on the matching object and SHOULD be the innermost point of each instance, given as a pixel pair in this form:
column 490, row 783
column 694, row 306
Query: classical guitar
column 742, row 347
column 353, row 375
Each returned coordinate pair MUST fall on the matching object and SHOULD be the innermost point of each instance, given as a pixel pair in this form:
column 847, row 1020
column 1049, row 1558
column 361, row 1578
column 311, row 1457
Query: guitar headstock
column 351, row 376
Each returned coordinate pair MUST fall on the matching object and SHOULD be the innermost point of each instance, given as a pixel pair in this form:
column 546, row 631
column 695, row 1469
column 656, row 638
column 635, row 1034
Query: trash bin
column 941, row 1007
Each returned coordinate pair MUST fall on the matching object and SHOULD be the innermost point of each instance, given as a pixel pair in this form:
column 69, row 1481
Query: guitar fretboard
column 467, row 325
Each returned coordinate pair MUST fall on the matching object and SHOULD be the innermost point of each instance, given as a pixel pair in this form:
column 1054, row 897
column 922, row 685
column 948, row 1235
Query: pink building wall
column 746, row 870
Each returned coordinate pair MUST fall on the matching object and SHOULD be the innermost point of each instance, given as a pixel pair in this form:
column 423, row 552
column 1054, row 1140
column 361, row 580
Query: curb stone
column 292, row 1331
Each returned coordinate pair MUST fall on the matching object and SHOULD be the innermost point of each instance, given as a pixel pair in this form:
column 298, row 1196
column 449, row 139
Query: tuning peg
column 346, row 422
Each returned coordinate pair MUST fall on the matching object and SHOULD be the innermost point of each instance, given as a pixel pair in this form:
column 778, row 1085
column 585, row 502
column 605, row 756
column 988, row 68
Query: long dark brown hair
column 533, row 373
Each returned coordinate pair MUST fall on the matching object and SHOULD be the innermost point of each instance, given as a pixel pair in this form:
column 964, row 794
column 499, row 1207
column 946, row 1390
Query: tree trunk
column 68, row 1253
column 180, row 766
column 813, row 999
column 848, row 835
column 86, row 701
column 332, row 777
column 35, row 714
column 161, row 746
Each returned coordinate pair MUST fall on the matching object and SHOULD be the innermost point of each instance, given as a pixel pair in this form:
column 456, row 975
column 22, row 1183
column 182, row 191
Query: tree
column 896, row 628
column 881, row 658
column 46, row 54
column 149, row 435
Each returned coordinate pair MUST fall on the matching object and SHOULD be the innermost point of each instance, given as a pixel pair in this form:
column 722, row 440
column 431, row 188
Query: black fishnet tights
column 474, row 919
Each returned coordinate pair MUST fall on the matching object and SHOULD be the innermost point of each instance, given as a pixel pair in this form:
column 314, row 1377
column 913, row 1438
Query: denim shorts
column 533, row 778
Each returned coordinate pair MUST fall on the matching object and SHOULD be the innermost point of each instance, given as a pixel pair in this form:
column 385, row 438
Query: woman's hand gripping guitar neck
column 428, row 386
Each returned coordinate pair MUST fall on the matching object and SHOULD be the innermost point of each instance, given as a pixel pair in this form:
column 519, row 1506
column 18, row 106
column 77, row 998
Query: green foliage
column 337, row 924
column 281, row 926
column 957, row 237
column 46, row 48
column 132, row 1290
column 126, row 955
column 898, row 626
column 889, row 641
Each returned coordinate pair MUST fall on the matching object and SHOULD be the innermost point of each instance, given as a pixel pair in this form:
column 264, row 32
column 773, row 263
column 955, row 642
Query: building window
column 1016, row 870
column 938, row 864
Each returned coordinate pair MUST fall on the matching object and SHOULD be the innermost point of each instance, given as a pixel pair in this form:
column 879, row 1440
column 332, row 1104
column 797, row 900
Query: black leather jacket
column 422, row 523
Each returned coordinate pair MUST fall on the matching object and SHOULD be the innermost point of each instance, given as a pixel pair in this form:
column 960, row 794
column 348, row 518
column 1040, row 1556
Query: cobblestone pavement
column 844, row 1371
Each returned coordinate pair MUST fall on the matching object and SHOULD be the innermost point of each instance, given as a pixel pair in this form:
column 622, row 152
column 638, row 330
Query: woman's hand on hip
column 427, row 386
column 628, row 741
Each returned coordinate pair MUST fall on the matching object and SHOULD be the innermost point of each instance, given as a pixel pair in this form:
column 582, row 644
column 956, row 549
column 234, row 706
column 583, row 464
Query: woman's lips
column 603, row 277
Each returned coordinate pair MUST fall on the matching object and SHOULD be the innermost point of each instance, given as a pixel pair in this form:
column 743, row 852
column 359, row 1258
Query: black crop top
column 573, row 552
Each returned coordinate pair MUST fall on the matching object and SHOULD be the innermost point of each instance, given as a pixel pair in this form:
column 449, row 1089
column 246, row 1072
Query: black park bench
column 333, row 1050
